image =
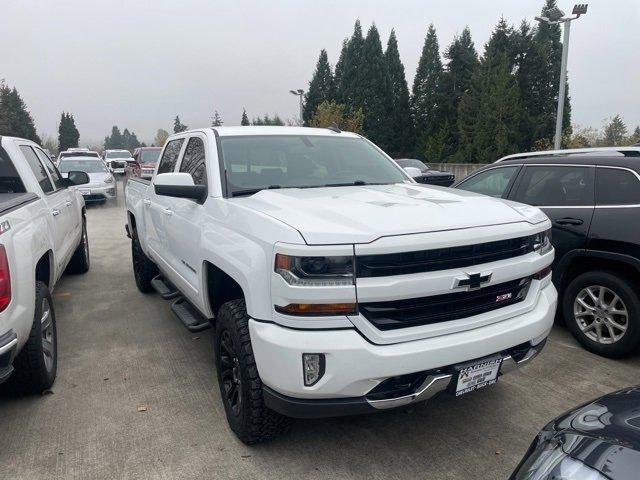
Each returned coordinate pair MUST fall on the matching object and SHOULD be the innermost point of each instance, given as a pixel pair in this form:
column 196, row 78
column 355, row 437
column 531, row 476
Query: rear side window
column 170, row 156
column 10, row 181
column 492, row 182
column 556, row 186
column 37, row 168
column 617, row 187
column 53, row 171
column 193, row 161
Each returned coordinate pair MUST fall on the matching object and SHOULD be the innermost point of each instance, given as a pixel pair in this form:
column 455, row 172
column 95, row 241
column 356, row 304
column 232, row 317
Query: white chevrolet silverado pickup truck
column 335, row 283
column 42, row 234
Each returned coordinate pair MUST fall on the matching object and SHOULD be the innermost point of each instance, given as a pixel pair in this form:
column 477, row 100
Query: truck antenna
column 334, row 127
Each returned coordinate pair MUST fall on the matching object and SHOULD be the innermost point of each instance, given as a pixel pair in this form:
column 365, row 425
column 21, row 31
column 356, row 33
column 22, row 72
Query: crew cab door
column 157, row 208
column 58, row 201
column 186, row 222
column 566, row 194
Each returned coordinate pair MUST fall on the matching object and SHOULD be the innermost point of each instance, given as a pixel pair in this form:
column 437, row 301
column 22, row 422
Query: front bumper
column 93, row 193
column 431, row 383
column 355, row 366
column 8, row 346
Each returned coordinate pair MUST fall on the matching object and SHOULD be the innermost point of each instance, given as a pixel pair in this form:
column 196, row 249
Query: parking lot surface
column 121, row 351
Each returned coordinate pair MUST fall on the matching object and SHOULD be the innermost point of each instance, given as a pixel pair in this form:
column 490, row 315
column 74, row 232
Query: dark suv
column 593, row 201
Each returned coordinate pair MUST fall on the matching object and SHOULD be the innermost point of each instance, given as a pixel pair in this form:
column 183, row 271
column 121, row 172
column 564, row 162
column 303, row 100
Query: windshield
column 123, row 154
column 253, row 163
column 88, row 166
column 79, row 154
column 411, row 162
column 150, row 156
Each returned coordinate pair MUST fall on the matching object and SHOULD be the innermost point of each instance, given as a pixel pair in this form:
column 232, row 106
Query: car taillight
column 5, row 280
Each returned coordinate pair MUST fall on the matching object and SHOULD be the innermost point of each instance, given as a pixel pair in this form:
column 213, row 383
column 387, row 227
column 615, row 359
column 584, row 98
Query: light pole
column 554, row 17
column 299, row 93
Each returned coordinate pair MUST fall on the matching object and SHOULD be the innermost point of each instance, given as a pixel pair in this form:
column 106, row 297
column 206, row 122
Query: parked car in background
column 427, row 174
column 593, row 201
column 145, row 159
column 117, row 160
column 43, row 232
column 78, row 152
column 597, row 441
column 335, row 283
column 102, row 184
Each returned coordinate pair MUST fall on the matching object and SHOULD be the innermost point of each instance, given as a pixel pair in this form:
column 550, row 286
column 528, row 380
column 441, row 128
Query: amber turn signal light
column 317, row 309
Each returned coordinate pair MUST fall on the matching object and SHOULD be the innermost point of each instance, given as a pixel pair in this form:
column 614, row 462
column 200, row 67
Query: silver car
column 102, row 184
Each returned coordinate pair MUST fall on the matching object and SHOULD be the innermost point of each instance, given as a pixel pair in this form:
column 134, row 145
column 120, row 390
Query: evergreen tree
column 635, row 136
column 68, row 135
column 266, row 120
column 349, row 88
column 425, row 98
column 321, row 87
column 400, row 125
column 615, row 132
column 374, row 90
column 129, row 140
column 216, row 121
column 337, row 75
column 178, row 126
column 115, row 140
column 15, row 119
column 245, row 120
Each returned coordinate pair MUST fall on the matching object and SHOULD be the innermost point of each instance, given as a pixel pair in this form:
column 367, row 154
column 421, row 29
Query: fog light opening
column 312, row 368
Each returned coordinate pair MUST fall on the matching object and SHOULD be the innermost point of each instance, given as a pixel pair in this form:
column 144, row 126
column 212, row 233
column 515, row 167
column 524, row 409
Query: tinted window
column 149, row 156
column 490, row 182
column 170, row 156
column 86, row 165
column 409, row 162
column 37, row 168
column 10, row 181
column 617, row 187
column 193, row 161
column 53, row 171
column 556, row 186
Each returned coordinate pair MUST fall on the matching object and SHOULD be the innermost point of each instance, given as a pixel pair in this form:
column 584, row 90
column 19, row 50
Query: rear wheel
column 37, row 364
column 240, row 384
column 144, row 270
column 80, row 261
column 602, row 310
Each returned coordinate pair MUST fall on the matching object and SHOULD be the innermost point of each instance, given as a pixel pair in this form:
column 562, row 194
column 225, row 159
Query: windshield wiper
column 351, row 184
column 251, row 191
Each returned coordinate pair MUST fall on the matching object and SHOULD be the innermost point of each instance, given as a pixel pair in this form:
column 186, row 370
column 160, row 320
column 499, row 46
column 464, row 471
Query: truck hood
column 362, row 214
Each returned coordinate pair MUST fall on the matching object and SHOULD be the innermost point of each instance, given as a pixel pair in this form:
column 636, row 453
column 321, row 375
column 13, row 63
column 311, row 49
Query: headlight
column 542, row 242
column 550, row 462
column 108, row 180
column 315, row 271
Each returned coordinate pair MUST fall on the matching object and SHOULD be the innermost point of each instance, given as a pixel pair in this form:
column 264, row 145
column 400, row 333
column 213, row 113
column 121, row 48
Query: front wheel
column 238, row 379
column 602, row 310
column 144, row 270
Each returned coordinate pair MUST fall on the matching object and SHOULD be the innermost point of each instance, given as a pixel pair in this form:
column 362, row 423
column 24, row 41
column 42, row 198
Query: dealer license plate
column 479, row 375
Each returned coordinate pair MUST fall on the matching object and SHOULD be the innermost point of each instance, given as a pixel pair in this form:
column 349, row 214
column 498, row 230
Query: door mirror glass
column 76, row 177
column 179, row 185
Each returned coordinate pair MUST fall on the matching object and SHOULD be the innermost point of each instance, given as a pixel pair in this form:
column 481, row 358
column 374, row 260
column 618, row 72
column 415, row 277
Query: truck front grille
column 405, row 263
column 443, row 308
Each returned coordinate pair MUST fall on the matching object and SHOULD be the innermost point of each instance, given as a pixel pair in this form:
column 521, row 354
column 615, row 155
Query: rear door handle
column 569, row 221
column 55, row 212
column 167, row 211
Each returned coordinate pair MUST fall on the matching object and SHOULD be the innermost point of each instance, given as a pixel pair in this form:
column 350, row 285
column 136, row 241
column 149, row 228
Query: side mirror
column 413, row 172
column 179, row 185
column 76, row 177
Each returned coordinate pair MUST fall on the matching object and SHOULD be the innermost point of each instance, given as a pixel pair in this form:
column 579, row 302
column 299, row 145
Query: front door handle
column 146, row 202
column 167, row 211
column 569, row 221
column 68, row 204
column 55, row 212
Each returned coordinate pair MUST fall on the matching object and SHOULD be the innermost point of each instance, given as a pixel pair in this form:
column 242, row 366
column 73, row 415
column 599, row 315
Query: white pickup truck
column 336, row 284
column 42, row 233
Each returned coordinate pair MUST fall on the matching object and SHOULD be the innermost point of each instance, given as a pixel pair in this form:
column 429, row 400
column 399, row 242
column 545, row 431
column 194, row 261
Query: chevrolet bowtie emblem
column 472, row 281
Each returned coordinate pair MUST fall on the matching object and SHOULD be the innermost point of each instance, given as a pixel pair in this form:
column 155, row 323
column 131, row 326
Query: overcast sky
column 137, row 64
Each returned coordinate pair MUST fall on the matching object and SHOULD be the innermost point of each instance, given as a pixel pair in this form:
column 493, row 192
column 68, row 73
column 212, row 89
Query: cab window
column 170, row 156
column 617, row 187
column 193, row 161
column 559, row 186
column 492, row 182
column 37, row 168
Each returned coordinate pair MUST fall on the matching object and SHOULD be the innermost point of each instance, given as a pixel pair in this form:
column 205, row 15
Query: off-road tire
column 31, row 374
column 255, row 422
column 626, row 288
column 144, row 270
column 80, row 262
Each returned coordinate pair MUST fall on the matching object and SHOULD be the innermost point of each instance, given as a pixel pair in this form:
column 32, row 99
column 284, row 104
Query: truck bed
column 12, row 201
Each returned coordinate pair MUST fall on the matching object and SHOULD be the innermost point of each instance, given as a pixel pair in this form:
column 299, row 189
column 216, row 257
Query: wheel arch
column 579, row 261
column 44, row 269
column 221, row 287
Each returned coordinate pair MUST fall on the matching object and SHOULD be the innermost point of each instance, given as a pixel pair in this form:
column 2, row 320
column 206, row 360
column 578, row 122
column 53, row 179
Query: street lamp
column 554, row 17
column 299, row 93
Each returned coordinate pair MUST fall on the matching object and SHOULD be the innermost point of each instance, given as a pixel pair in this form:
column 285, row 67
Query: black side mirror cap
column 76, row 177
column 194, row 192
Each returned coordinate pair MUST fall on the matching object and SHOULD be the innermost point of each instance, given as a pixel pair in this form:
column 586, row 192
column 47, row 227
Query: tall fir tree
column 375, row 90
column 401, row 139
column 15, row 119
column 321, row 87
column 178, row 126
column 615, row 132
column 349, row 88
column 426, row 93
column 337, row 74
column 216, row 120
column 244, row 121
column 68, row 135
column 635, row 136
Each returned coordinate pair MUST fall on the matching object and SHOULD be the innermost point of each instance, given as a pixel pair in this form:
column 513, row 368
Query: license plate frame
column 475, row 375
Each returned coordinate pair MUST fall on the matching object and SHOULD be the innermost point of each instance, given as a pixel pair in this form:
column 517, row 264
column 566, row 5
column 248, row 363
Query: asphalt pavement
column 137, row 398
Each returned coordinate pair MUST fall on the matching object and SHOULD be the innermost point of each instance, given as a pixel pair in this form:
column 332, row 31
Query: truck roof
column 277, row 130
